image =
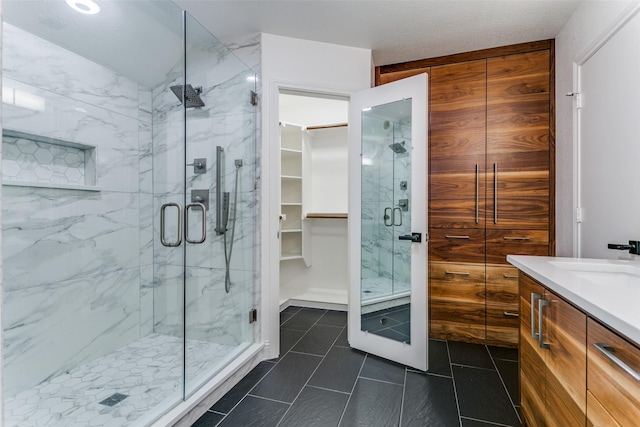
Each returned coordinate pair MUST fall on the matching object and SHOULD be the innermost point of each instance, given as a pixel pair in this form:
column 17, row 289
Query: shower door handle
column 204, row 223
column 178, row 242
column 393, row 217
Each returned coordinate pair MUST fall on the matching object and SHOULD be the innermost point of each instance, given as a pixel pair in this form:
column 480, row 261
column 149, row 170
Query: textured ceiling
column 396, row 31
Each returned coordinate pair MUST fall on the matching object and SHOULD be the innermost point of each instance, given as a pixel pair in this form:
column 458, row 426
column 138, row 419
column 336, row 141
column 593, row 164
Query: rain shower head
column 192, row 95
column 398, row 148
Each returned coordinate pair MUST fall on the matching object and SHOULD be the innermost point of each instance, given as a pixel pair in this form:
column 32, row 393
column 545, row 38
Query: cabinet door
column 565, row 331
column 614, row 388
column 518, row 154
column 457, row 145
column 532, row 357
column 502, row 305
column 457, row 307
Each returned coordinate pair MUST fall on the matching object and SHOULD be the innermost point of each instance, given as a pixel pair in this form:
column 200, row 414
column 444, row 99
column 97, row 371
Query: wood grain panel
column 447, row 244
column 519, row 184
column 459, row 84
column 515, row 212
column 452, row 186
column 532, row 358
column 456, row 294
column 565, row 329
column 398, row 75
column 501, row 243
column 617, row 391
column 501, row 326
column 502, row 286
column 597, row 416
column 517, row 75
column 469, row 56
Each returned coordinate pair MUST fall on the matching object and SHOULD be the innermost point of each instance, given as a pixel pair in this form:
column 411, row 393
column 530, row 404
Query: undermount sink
column 598, row 267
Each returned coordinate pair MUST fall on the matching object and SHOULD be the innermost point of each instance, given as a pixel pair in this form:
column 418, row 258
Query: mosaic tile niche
column 32, row 160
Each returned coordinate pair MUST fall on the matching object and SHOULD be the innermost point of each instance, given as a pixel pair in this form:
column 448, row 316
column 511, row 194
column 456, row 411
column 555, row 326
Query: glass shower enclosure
column 128, row 211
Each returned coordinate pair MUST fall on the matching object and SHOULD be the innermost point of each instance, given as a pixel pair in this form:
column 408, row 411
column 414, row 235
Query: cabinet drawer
column 503, row 323
column 616, row 390
column 502, row 285
column 457, row 245
column 460, row 283
column 501, row 243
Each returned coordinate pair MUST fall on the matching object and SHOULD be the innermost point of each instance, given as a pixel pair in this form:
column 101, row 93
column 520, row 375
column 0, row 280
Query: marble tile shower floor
column 148, row 371
column 377, row 287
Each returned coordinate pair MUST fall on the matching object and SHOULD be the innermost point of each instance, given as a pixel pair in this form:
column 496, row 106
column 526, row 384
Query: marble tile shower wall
column 74, row 259
column 380, row 190
column 227, row 120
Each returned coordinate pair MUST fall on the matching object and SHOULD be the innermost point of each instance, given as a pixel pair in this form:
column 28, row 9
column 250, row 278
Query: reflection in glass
column 386, row 215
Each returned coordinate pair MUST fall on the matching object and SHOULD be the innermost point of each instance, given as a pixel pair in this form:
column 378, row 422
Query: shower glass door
column 219, row 177
column 388, row 309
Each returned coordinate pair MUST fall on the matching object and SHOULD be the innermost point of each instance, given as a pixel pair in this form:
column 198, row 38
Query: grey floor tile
column 342, row 339
column 373, row 404
column 439, row 358
column 318, row 340
column 429, row 400
column 255, row 412
column 316, row 408
column 482, row 396
column 402, row 315
column 285, row 381
column 392, row 334
column 403, row 328
column 287, row 313
column 288, row 338
column 375, row 323
column 381, row 369
column 235, row 395
column 209, row 419
column 339, row 369
column 467, row 422
column 508, row 370
column 463, row 353
column 503, row 353
column 304, row 319
column 334, row 318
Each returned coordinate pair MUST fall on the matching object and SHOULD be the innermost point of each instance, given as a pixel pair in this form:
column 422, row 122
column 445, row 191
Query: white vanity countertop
column 608, row 290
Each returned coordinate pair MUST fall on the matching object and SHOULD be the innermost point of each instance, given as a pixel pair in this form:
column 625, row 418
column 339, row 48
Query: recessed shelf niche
column 30, row 160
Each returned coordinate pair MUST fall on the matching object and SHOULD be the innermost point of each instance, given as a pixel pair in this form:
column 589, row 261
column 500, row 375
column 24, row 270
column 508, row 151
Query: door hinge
column 254, row 98
column 578, row 215
column 253, row 315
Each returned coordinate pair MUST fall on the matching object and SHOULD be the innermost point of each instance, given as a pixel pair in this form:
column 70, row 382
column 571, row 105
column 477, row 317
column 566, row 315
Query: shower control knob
column 414, row 237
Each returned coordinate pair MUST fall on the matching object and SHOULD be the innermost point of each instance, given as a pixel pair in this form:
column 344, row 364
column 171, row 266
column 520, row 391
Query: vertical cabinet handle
column 204, row 223
column 163, row 240
column 477, row 196
column 495, row 193
column 534, row 297
column 607, row 350
column 541, row 303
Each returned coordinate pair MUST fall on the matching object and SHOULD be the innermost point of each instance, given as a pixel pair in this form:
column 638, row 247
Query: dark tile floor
column 318, row 380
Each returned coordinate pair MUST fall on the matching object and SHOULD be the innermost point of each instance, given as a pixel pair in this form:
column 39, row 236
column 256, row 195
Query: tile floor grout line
column 267, row 398
column 327, row 389
column 306, row 354
column 305, row 384
column 493, row 423
column 453, row 380
column 471, row 366
column 344, row 411
column 428, row 373
column 404, row 390
column 380, row 381
column 504, row 385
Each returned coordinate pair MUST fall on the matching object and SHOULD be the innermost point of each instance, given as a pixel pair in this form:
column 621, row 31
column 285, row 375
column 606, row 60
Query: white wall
column 589, row 20
column 302, row 65
column 329, row 170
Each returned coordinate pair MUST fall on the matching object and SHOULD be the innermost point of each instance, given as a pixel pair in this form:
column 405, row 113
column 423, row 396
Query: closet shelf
column 293, row 230
column 290, row 177
column 327, row 216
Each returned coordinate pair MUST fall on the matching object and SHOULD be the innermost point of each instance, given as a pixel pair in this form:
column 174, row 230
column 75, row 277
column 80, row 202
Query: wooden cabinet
column 613, row 392
column 553, row 362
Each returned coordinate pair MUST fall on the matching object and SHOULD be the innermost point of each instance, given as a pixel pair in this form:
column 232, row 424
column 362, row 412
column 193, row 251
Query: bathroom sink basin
column 598, row 267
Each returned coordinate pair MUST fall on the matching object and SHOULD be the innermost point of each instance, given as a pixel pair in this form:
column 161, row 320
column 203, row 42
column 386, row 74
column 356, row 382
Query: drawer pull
column 516, row 238
column 607, row 350
column 459, row 273
column 510, row 276
column 456, row 237
column 510, row 314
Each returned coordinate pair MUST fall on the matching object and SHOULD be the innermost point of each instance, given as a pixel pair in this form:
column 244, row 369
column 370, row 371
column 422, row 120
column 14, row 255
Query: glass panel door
column 388, row 221
column 219, row 208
